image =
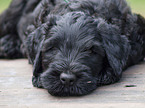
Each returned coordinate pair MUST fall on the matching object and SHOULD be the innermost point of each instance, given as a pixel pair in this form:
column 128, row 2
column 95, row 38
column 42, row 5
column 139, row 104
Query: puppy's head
column 79, row 53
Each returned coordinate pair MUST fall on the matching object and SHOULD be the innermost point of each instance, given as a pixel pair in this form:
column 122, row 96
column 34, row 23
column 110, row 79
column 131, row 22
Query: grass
column 138, row 6
column 4, row 4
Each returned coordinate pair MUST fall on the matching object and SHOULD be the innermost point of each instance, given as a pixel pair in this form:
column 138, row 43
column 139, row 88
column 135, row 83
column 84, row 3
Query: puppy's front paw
column 36, row 82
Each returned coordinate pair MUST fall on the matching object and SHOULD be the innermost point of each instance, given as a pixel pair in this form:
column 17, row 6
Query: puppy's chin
column 71, row 91
column 82, row 86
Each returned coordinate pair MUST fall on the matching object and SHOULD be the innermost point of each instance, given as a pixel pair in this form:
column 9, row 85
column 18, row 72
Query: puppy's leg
column 10, row 47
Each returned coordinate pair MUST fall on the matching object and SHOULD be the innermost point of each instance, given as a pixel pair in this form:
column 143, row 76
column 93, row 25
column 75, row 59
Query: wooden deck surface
column 16, row 90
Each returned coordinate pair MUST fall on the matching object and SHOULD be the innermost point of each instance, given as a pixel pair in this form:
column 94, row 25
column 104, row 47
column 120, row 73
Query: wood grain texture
column 16, row 90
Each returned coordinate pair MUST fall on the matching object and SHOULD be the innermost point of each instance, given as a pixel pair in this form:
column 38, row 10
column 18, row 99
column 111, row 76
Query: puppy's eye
column 94, row 49
column 50, row 48
column 97, row 50
column 91, row 50
column 50, row 45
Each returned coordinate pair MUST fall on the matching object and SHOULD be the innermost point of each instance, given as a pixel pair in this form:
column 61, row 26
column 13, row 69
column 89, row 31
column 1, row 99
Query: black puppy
column 75, row 45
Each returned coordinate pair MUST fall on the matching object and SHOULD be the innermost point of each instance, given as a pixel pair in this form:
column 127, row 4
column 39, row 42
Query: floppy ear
column 35, row 40
column 117, row 49
column 141, row 23
column 34, row 46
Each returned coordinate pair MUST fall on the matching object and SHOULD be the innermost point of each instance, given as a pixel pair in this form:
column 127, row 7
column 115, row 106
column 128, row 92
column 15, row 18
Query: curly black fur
column 94, row 40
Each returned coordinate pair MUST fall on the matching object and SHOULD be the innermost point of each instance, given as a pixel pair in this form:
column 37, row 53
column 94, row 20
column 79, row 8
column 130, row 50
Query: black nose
column 67, row 79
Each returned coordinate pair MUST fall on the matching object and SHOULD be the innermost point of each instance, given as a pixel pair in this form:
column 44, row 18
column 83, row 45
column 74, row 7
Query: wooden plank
column 16, row 90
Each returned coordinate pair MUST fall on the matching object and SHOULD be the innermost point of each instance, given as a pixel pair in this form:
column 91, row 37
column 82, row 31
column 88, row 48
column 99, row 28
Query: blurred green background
column 138, row 6
column 4, row 4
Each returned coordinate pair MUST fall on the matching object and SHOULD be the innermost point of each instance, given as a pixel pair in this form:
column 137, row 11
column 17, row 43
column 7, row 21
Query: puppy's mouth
column 78, row 89
column 56, row 87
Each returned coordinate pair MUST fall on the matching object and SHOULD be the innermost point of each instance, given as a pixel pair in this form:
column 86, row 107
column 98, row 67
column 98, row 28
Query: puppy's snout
column 67, row 79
